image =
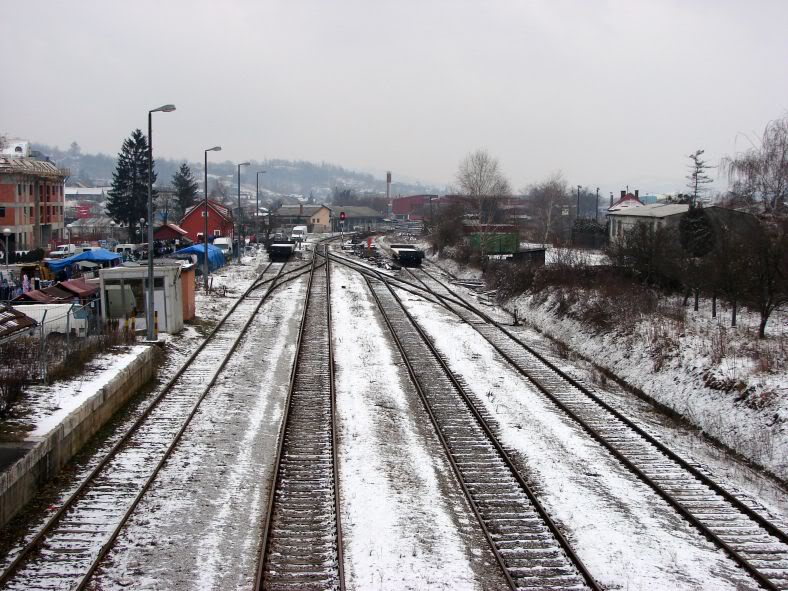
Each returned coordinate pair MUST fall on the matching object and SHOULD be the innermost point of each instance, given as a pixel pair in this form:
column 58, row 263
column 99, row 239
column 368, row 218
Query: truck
column 299, row 233
column 225, row 245
column 62, row 251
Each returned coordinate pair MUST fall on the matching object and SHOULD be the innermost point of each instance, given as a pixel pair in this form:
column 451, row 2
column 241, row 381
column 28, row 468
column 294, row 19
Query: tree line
column 737, row 252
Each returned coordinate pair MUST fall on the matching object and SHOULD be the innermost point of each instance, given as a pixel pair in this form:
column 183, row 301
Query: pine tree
column 128, row 198
column 697, row 177
column 185, row 189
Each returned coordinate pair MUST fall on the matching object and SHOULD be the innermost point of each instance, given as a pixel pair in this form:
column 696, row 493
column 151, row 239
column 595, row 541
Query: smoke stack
column 623, row 193
column 611, row 199
column 300, row 209
column 388, row 193
column 637, row 193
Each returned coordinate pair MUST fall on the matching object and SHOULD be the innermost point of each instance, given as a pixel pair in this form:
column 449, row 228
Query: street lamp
column 149, row 307
column 6, row 233
column 68, row 227
column 111, row 232
column 240, row 211
column 205, row 214
column 257, row 206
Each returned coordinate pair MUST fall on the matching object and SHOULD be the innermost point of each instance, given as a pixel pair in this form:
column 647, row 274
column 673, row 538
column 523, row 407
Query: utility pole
column 596, row 211
column 577, row 213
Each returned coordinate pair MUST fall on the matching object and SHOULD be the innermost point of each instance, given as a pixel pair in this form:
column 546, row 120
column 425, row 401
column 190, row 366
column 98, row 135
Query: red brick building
column 220, row 221
column 32, row 199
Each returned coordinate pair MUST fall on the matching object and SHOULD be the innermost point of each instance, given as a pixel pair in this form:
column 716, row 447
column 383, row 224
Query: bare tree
column 546, row 201
column 480, row 179
column 761, row 173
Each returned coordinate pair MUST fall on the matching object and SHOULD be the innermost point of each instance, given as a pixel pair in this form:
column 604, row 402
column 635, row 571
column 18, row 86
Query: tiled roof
column 13, row 322
column 30, row 166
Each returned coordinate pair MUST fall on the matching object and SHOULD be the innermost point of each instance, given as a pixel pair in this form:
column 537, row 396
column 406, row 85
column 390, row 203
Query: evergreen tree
column 185, row 189
column 697, row 177
column 128, row 198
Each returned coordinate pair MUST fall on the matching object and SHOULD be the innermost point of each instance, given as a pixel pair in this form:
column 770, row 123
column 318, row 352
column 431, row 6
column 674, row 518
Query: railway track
column 65, row 552
column 738, row 527
column 302, row 536
column 528, row 545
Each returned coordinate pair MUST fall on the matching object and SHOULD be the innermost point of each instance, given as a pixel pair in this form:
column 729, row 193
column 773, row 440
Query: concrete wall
column 46, row 458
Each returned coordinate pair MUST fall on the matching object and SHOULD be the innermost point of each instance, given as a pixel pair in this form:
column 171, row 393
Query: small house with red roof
column 626, row 201
column 220, row 221
column 168, row 231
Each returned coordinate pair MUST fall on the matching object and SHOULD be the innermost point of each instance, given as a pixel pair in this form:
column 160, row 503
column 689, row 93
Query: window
column 2, row 212
column 30, row 192
column 48, row 190
column 217, row 232
column 19, row 189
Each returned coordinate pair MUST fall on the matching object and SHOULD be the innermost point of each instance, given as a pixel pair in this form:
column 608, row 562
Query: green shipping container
column 495, row 243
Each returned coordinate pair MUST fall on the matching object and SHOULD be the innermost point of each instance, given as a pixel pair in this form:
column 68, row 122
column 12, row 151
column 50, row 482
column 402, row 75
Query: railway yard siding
column 48, row 454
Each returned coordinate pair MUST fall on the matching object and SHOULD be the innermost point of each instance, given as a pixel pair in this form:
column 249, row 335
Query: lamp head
column 164, row 109
column 6, row 232
column 214, row 149
column 244, row 164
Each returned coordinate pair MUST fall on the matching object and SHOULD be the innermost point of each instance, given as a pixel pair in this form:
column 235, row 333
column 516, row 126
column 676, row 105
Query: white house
column 656, row 215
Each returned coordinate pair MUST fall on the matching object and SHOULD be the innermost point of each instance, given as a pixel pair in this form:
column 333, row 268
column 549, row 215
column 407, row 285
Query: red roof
column 78, row 287
column 13, row 322
column 169, row 229
column 48, row 295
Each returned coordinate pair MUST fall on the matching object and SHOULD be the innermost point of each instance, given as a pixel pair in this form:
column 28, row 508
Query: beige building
column 317, row 218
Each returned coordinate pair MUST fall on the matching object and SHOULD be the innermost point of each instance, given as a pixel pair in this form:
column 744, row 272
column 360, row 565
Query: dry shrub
column 720, row 344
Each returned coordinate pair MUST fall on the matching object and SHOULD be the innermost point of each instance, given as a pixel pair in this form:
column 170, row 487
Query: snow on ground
column 674, row 363
column 199, row 525
column 626, row 535
column 404, row 522
column 48, row 405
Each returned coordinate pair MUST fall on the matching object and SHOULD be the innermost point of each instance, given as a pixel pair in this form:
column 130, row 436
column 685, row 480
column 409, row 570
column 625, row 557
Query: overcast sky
column 609, row 93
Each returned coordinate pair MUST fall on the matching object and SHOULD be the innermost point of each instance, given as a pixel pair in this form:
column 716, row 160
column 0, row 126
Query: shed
column 13, row 323
column 170, row 231
column 124, row 290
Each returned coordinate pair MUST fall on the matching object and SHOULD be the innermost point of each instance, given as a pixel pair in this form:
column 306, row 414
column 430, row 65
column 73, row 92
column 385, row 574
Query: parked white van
column 224, row 244
column 298, row 234
column 128, row 251
column 62, row 251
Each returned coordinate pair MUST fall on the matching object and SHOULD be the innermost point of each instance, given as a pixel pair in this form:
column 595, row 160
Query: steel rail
column 334, row 446
column 70, row 501
column 716, row 487
column 106, row 547
column 47, row 526
column 266, row 537
column 545, row 516
column 627, row 462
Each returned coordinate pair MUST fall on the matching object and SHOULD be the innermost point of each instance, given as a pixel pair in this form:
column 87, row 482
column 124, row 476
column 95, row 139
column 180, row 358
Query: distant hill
column 283, row 177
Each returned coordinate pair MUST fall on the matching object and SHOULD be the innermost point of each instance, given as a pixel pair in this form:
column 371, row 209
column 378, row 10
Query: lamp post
column 240, row 211
column 68, row 227
column 596, row 212
column 111, row 232
column 577, row 213
column 205, row 216
column 149, row 307
column 257, row 201
column 6, row 233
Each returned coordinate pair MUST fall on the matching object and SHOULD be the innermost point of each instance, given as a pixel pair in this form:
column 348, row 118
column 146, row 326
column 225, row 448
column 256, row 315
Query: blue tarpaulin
column 97, row 255
column 215, row 256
